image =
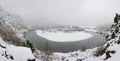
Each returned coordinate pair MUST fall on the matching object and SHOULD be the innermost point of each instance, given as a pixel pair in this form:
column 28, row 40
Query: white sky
column 73, row 12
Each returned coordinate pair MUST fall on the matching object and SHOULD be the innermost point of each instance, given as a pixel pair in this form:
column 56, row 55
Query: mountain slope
column 11, row 27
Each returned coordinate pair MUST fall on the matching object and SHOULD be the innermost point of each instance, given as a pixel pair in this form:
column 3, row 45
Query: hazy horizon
column 65, row 12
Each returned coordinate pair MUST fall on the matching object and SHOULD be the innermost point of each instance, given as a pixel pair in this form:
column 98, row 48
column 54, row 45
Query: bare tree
column 47, row 52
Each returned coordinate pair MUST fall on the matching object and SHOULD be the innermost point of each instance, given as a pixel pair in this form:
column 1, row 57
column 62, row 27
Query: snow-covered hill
column 11, row 27
column 11, row 30
column 11, row 20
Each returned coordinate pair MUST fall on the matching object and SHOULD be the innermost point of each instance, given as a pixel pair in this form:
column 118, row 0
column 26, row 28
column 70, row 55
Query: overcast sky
column 73, row 12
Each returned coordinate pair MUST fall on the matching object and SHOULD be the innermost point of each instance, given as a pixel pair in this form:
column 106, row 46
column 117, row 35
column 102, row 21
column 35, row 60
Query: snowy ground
column 64, row 37
column 14, row 53
column 17, row 53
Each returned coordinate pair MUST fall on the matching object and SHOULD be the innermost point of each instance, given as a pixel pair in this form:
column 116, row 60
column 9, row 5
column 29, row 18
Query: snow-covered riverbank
column 64, row 37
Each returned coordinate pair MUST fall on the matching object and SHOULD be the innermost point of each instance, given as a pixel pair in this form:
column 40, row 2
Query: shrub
column 106, row 37
column 118, row 42
column 27, row 43
column 100, row 51
column 113, row 35
column 83, row 48
column 116, row 30
column 108, row 54
column 31, row 60
column 79, row 59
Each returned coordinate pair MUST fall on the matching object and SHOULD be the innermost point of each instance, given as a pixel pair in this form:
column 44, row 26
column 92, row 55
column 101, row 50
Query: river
column 95, row 40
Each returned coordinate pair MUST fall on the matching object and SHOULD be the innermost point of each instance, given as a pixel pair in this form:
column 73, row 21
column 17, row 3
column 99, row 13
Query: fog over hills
column 72, row 12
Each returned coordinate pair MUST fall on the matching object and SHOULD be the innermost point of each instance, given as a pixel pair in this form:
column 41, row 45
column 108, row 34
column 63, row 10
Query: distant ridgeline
column 66, row 29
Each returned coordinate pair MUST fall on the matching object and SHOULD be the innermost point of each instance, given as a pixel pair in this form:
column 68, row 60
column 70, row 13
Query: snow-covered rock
column 14, row 53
